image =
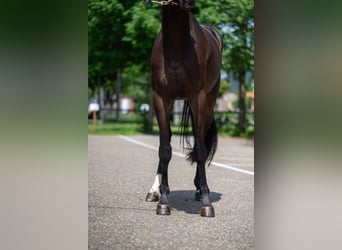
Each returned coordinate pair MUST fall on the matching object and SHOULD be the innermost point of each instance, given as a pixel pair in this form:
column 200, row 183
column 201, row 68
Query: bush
column 227, row 124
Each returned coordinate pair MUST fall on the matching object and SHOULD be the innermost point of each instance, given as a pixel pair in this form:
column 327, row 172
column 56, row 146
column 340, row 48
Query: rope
column 168, row 2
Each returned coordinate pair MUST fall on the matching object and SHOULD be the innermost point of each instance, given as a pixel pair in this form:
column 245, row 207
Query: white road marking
column 217, row 164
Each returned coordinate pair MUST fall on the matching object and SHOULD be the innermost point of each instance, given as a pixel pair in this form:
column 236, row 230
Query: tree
column 235, row 20
column 239, row 41
column 107, row 52
column 141, row 31
column 105, row 30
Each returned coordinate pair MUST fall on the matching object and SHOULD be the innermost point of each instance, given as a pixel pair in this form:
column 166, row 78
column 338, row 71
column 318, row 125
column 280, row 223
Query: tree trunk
column 101, row 96
column 242, row 103
column 117, row 94
column 150, row 116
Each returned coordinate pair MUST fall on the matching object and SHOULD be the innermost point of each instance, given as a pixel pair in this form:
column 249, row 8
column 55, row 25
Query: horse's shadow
column 184, row 200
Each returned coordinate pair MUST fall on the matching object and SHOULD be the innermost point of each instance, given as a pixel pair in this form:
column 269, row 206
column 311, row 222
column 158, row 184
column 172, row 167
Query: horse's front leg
column 163, row 109
column 198, row 194
column 207, row 210
column 153, row 194
column 203, row 118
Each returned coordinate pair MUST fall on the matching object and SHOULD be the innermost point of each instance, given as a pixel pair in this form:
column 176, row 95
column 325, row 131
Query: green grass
column 115, row 129
column 131, row 128
column 123, row 128
column 132, row 123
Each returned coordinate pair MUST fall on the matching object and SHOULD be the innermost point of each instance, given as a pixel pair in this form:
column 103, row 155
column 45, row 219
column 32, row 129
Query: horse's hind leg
column 163, row 109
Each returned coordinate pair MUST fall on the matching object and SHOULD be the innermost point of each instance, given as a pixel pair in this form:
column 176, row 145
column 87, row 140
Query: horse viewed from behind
column 185, row 64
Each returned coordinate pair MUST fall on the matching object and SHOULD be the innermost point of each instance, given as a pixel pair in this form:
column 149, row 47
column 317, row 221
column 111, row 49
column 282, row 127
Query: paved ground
column 121, row 173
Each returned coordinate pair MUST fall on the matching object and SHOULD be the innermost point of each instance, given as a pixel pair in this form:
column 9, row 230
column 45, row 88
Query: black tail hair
column 210, row 138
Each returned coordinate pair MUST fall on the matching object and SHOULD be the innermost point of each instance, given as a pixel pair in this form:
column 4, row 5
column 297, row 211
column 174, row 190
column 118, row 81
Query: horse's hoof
column 207, row 211
column 163, row 209
column 152, row 197
column 198, row 196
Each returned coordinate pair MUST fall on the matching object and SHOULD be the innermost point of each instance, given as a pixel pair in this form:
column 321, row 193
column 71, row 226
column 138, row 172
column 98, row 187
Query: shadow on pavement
column 184, row 200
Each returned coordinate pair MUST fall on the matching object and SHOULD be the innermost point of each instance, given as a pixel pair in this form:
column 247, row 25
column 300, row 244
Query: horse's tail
column 210, row 138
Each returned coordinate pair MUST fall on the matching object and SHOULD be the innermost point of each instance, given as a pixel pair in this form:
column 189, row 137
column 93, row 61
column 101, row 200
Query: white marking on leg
column 156, row 184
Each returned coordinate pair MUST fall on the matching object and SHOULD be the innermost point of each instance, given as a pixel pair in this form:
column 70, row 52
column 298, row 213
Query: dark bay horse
column 186, row 63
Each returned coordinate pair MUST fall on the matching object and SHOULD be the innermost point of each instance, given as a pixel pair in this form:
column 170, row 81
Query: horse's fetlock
column 204, row 190
column 164, row 189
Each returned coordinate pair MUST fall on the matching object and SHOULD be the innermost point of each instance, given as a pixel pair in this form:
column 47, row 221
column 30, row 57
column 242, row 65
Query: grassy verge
column 115, row 129
column 123, row 128
column 136, row 128
column 130, row 124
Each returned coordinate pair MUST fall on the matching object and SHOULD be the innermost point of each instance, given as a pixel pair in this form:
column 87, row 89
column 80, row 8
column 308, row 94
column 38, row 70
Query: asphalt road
column 121, row 172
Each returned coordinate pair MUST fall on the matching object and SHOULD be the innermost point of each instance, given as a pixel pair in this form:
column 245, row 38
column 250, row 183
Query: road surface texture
column 121, row 172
